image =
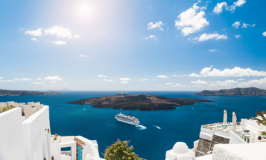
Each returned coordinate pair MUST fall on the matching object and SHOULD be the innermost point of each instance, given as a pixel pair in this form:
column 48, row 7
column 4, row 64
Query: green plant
column 205, row 126
column 261, row 120
column 120, row 151
column 263, row 133
column 7, row 108
column 4, row 109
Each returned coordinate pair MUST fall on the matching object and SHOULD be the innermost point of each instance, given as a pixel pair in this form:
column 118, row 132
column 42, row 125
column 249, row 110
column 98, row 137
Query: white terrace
column 25, row 134
column 246, row 131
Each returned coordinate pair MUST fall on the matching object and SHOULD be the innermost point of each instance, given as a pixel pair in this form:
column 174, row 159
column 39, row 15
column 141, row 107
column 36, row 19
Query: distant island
column 137, row 102
column 252, row 91
column 26, row 93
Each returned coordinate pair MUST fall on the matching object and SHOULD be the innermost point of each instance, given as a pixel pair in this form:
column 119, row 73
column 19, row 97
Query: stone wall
column 206, row 145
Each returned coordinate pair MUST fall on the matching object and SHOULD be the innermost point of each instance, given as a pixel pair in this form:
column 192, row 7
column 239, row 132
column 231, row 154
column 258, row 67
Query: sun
column 84, row 10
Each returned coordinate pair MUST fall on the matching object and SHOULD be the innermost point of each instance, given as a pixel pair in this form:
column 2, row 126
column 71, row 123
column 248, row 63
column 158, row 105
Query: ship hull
column 121, row 120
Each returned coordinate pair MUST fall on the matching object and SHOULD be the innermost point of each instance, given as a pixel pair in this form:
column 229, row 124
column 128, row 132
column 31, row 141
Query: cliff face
column 138, row 102
column 26, row 93
column 252, row 91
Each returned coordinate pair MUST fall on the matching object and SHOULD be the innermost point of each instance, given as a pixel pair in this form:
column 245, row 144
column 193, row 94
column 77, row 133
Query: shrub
column 8, row 108
column 120, row 151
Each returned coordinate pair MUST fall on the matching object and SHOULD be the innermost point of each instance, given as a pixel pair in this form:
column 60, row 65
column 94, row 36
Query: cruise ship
column 127, row 119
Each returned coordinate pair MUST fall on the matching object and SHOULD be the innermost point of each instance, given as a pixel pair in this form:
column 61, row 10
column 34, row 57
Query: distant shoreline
column 252, row 91
column 27, row 93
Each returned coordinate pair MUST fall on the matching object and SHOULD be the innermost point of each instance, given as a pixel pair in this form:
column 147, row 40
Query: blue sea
column 179, row 125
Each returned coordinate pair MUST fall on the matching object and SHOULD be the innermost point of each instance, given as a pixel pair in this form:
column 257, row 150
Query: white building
column 224, row 141
column 25, row 134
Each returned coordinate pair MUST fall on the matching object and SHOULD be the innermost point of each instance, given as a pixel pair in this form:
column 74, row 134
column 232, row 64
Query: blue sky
column 183, row 45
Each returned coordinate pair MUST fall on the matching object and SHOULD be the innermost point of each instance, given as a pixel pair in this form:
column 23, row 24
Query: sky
column 181, row 45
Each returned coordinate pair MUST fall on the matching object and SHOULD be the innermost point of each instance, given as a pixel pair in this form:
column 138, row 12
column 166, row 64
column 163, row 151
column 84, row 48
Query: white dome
column 180, row 148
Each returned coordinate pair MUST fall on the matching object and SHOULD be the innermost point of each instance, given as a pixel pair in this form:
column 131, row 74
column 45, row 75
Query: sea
column 158, row 130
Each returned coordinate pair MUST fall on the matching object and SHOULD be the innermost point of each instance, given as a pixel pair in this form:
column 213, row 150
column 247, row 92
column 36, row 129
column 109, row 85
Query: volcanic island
column 142, row 102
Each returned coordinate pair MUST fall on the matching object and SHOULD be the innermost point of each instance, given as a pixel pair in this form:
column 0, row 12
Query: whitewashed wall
column 55, row 148
column 72, row 145
column 208, row 134
column 11, row 139
column 36, row 139
column 253, row 126
column 234, row 139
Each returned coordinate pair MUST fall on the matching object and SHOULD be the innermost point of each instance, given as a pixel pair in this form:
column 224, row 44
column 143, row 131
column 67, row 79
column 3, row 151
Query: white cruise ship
column 127, row 119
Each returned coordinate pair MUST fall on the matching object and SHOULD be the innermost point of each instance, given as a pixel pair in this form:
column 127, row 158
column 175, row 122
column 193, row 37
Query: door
column 79, row 153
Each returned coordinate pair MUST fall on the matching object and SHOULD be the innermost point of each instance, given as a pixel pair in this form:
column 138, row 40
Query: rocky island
column 138, row 102
column 26, row 93
column 252, row 91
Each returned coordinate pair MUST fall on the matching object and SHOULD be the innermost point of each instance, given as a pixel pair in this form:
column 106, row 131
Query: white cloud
column 236, row 24
column 224, row 83
column 212, row 50
column 264, row 34
column 39, row 79
column 36, row 33
column 161, row 76
column 125, row 79
column 205, row 37
column 108, row 80
column 144, row 80
column 238, row 3
column 241, row 79
column 199, row 82
column 245, row 25
column 53, row 78
column 52, row 81
column 101, row 76
column 235, row 72
column 76, row 36
column 1, row 78
column 219, row 7
column 83, row 55
column 59, row 31
column 59, row 42
column 237, row 36
column 191, row 20
column 254, row 82
column 8, row 81
column 33, row 39
column 151, row 37
column 175, row 85
column 38, row 83
column 23, row 79
column 175, row 75
column 152, row 25
column 194, row 75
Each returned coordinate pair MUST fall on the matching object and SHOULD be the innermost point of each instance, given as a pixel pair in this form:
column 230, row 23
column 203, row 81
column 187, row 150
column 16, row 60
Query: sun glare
column 84, row 10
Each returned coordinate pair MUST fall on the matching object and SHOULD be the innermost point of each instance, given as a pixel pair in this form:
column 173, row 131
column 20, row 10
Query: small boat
column 127, row 119
column 158, row 127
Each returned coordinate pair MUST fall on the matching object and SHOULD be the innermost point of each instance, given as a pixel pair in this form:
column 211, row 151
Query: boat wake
column 157, row 127
column 141, row 127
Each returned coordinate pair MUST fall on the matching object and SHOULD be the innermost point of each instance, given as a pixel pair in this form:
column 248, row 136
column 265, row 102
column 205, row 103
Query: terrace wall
column 36, row 138
column 11, row 138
